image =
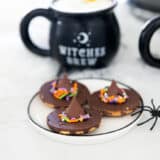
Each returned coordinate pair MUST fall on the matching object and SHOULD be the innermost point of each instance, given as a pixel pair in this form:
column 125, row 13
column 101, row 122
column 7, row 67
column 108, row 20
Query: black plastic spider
column 155, row 113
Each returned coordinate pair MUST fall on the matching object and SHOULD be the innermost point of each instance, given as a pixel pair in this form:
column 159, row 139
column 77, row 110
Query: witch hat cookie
column 74, row 109
column 60, row 92
column 114, row 89
column 114, row 101
column 64, row 83
column 73, row 120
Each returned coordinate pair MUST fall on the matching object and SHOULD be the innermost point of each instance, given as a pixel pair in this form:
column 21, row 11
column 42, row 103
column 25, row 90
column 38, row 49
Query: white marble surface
column 22, row 73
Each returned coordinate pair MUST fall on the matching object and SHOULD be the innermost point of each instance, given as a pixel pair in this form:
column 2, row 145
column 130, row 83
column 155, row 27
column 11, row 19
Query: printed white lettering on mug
column 92, row 61
column 74, row 50
column 100, row 52
column 81, row 61
column 89, row 52
column 82, row 56
column 76, row 61
column 69, row 53
column 69, row 60
column 73, row 61
column 62, row 50
column 97, row 52
column 82, row 52
column 103, row 51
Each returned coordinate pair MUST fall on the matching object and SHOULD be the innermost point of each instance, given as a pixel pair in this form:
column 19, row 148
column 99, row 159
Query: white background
column 22, row 73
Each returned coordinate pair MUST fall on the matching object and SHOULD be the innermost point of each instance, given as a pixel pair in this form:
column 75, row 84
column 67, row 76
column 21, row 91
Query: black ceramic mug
column 77, row 39
column 145, row 39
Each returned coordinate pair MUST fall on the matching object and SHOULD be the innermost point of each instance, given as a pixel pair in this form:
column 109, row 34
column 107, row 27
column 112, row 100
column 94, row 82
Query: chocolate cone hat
column 74, row 109
column 114, row 89
column 64, row 83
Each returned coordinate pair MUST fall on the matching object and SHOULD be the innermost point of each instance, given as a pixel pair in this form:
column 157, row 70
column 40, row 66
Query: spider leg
column 135, row 113
column 152, row 102
column 147, row 110
column 148, row 107
column 158, row 108
column 154, row 124
column 145, row 121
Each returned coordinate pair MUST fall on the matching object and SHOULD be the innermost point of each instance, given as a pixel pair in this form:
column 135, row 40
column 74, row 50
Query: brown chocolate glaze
column 47, row 97
column 89, row 125
column 116, row 110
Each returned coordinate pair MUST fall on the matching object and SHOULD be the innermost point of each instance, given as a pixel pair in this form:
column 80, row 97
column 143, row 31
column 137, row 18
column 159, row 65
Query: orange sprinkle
column 73, row 120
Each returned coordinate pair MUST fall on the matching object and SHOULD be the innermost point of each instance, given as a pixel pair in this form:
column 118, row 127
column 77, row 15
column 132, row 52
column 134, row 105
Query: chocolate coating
column 115, row 110
column 51, row 101
column 55, row 123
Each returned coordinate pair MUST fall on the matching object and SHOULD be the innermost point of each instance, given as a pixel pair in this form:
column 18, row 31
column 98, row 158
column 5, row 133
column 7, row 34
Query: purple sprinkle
column 113, row 101
column 63, row 88
column 86, row 116
column 52, row 90
column 67, row 98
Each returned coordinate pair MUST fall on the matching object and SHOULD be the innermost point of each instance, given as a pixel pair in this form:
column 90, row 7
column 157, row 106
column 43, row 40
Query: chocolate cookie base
column 78, row 128
column 116, row 110
column 47, row 97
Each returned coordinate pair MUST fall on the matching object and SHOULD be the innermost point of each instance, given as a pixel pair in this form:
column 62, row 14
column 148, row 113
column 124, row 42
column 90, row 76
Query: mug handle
column 145, row 39
column 24, row 30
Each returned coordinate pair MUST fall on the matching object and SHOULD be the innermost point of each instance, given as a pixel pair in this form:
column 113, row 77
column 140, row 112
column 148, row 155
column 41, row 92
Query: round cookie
column 78, row 128
column 133, row 102
column 47, row 97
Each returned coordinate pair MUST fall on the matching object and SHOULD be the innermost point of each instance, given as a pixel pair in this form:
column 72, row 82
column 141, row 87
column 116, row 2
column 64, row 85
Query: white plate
column 109, row 129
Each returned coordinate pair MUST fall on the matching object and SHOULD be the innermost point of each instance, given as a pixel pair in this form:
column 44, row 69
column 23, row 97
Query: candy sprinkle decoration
column 61, row 93
column 114, row 99
column 64, row 118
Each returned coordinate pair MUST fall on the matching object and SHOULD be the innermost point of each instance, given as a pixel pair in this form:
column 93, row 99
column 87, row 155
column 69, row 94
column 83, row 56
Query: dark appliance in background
column 152, row 5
